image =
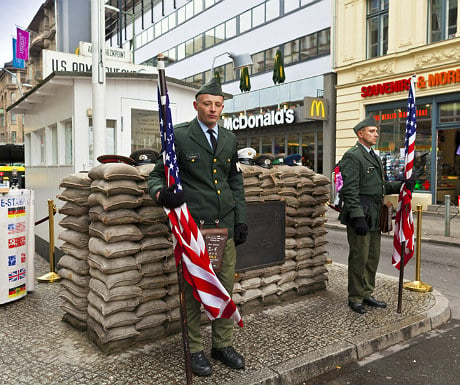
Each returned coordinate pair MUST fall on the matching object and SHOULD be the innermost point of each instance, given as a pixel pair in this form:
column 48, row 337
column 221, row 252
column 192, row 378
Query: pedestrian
column 364, row 187
column 213, row 190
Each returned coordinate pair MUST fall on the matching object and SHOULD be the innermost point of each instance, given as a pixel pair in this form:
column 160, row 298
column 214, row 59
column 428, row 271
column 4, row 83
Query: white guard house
column 58, row 128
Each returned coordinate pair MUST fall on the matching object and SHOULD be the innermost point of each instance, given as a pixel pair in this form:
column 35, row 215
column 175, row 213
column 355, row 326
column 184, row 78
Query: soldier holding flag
column 212, row 187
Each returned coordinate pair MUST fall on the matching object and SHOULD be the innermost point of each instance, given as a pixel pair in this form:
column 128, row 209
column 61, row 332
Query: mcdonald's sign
column 315, row 108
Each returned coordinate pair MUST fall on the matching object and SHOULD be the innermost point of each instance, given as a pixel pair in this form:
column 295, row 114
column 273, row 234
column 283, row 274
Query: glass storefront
column 304, row 139
column 444, row 162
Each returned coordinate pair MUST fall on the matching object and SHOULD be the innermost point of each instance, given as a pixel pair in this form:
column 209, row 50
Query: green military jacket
column 364, row 186
column 212, row 184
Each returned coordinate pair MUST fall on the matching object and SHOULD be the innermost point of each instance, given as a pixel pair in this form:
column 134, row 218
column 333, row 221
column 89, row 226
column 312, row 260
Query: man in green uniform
column 364, row 187
column 213, row 189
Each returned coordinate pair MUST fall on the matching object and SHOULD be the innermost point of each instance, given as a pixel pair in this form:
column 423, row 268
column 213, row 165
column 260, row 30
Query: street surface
column 429, row 359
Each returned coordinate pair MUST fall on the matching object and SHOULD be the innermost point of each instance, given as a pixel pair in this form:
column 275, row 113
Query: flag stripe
column 404, row 223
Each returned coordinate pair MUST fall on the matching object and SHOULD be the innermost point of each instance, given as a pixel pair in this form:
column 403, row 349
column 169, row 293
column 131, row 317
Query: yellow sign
column 315, row 108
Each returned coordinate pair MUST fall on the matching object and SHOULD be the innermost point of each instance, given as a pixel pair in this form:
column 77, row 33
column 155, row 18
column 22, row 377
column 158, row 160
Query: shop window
column 279, row 145
column 266, row 145
column 442, row 22
column 377, row 28
column 449, row 112
column 391, row 144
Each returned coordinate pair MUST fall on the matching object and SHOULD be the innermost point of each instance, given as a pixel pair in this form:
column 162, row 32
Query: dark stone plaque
column 266, row 237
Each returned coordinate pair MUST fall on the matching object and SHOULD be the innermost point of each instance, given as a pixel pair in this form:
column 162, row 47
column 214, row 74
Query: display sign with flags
column 22, row 46
column 404, row 239
column 189, row 245
column 17, row 63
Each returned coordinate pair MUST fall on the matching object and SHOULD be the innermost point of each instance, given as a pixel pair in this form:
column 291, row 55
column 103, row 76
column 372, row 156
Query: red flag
column 189, row 245
column 22, row 44
column 404, row 222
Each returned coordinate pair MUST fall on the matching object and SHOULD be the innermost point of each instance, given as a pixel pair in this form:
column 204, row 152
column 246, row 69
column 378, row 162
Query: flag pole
column 180, row 273
column 401, row 276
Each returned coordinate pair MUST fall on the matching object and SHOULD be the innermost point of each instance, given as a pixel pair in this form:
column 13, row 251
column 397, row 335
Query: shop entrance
column 448, row 165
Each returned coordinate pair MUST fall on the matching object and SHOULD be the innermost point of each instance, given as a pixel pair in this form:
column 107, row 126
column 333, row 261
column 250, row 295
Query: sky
column 14, row 13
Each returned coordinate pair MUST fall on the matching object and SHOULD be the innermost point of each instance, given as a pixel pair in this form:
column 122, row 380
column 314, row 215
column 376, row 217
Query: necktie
column 213, row 139
column 373, row 153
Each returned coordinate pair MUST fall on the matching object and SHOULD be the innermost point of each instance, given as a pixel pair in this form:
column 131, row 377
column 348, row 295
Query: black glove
column 360, row 226
column 241, row 233
column 170, row 199
column 410, row 183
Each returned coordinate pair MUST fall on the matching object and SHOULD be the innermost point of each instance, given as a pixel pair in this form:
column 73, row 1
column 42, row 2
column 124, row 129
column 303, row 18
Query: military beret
column 144, row 156
column 212, row 88
column 246, row 155
column 293, row 160
column 368, row 122
column 264, row 160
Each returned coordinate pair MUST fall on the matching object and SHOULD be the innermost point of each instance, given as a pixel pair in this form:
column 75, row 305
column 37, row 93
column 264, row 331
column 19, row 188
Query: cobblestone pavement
column 283, row 344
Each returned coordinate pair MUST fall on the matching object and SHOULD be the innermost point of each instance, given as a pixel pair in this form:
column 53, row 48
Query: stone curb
column 310, row 365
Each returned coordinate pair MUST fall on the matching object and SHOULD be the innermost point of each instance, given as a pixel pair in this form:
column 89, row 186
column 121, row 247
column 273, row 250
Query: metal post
column 52, row 276
column 418, row 285
column 447, row 216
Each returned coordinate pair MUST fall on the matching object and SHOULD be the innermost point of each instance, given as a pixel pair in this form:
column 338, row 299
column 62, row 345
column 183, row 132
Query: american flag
column 189, row 245
column 404, row 222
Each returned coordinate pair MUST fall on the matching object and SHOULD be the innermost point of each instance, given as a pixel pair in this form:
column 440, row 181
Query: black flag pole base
column 418, row 286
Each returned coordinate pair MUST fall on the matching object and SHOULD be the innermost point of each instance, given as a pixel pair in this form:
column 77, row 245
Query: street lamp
column 17, row 80
column 131, row 14
column 239, row 60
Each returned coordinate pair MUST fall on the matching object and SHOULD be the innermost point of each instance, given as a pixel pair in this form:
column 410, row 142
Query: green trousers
column 222, row 329
column 363, row 260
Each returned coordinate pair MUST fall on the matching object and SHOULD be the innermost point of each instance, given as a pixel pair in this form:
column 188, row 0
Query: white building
column 196, row 34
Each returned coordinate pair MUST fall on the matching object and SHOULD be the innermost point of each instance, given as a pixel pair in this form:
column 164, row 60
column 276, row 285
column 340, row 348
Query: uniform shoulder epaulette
column 183, row 124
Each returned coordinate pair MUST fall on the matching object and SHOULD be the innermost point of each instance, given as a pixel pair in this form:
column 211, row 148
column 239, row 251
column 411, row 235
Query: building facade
column 379, row 45
column 198, row 36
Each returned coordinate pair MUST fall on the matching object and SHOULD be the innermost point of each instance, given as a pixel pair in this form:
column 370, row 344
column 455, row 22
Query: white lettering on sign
column 61, row 61
column 270, row 118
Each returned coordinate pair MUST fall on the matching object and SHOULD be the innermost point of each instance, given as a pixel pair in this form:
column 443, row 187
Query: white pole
column 98, row 77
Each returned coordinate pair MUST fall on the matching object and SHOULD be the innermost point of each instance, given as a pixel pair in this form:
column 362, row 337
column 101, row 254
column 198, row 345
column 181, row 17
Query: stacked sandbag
column 133, row 285
column 73, row 265
column 305, row 194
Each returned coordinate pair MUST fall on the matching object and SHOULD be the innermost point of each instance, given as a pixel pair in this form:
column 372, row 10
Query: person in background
column 364, row 187
column 213, row 190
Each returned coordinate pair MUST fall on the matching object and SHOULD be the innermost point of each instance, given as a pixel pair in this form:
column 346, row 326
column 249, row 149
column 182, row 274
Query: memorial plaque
column 266, row 238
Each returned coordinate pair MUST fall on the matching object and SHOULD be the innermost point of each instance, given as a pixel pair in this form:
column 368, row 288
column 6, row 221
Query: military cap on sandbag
column 368, row 122
column 278, row 159
column 212, row 88
column 144, row 156
column 293, row 160
column 114, row 158
column 264, row 160
column 246, row 155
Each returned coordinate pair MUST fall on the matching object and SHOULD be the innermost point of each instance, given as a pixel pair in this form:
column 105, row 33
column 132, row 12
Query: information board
column 14, row 229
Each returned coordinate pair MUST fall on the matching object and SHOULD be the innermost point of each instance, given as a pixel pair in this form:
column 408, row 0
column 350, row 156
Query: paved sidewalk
column 285, row 344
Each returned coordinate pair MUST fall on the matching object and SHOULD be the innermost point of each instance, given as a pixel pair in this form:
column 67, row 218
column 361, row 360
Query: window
column 308, row 46
column 13, row 136
column 68, row 142
column 272, row 9
column 377, row 28
column 245, row 21
column 290, row 5
column 54, row 145
column 442, row 22
column 13, row 118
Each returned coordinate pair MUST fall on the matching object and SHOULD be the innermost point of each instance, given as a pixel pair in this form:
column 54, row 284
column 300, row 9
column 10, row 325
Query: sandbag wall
column 305, row 194
column 119, row 275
